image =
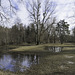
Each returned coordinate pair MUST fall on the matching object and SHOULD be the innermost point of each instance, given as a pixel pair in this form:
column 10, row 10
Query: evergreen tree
column 27, row 33
column 14, row 35
column 63, row 29
column 32, row 33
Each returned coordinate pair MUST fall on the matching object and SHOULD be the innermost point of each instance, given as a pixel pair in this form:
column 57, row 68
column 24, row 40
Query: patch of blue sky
column 14, row 3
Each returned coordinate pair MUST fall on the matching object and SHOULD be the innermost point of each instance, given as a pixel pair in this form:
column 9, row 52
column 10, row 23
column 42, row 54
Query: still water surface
column 21, row 62
column 18, row 62
column 53, row 49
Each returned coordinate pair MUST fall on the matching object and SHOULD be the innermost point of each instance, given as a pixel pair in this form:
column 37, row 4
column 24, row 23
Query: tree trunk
column 37, row 36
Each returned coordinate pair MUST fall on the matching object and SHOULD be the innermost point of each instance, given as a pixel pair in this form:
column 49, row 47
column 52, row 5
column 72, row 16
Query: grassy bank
column 6, row 48
column 41, row 47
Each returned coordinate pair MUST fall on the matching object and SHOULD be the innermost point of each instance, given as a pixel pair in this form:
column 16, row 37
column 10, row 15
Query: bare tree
column 6, row 10
column 40, row 13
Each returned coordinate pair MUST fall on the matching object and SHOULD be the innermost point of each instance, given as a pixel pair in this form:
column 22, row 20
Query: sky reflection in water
column 17, row 62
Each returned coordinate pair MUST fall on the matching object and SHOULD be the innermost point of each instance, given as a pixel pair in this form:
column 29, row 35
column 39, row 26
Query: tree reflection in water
column 53, row 49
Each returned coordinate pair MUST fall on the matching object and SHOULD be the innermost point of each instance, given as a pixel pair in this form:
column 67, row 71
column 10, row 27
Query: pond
column 18, row 62
column 53, row 48
column 21, row 62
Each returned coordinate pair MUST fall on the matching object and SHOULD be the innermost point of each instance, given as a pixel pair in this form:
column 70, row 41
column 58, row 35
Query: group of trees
column 72, row 36
column 42, row 29
column 20, row 33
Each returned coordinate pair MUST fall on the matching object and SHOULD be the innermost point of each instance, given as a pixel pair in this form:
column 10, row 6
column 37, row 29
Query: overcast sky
column 65, row 9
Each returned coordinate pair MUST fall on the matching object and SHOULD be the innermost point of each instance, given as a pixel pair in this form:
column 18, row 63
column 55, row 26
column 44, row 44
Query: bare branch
column 1, row 14
column 35, row 15
column 49, row 10
column 0, row 2
column 12, row 7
